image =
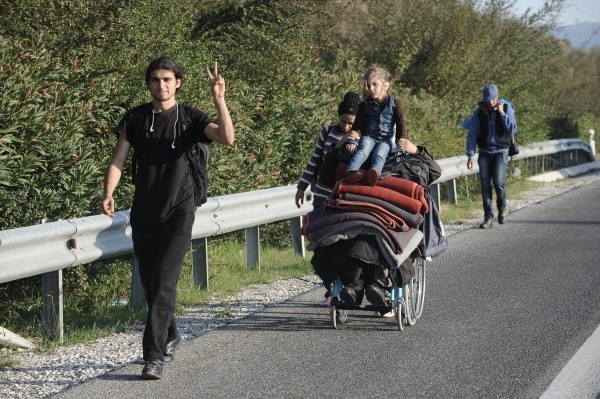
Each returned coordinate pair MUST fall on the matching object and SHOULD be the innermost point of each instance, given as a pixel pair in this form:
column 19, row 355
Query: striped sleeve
column 309, row 173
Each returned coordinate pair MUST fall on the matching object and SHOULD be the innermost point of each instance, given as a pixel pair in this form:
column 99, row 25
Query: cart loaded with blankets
column 375, row 240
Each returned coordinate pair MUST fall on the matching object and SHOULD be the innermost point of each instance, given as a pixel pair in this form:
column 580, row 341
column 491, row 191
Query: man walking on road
column 163, row 209
column 491, row 128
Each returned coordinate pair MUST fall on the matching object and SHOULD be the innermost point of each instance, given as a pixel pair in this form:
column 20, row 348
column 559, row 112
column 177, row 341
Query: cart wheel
column 414, row 293
column 398, row 315
column 333, row 316
column 342, row 315
column 419, row 290
column 337, row 316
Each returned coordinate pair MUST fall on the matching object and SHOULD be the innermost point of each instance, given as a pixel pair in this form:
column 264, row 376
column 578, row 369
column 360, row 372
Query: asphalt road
column 506, row 310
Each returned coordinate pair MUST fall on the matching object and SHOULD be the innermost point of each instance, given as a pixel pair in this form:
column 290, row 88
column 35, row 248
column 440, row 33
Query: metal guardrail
column 33, row 250
column 455, row 167
column 51, row 247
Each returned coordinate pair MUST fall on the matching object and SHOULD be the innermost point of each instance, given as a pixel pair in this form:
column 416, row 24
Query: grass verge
column 470, row 205
column 228, row 271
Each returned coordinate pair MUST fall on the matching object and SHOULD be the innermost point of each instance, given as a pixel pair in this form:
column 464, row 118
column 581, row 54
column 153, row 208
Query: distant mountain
column 583, row 35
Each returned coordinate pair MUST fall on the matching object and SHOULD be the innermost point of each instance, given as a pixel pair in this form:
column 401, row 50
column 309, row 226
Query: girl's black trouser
column 160, row 249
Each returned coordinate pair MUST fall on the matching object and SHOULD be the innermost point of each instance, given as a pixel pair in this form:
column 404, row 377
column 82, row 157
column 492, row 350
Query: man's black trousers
column 160, row 249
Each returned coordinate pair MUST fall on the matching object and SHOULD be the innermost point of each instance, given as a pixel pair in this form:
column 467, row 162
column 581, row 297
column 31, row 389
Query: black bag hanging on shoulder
column 514, row 146
column 197, row 157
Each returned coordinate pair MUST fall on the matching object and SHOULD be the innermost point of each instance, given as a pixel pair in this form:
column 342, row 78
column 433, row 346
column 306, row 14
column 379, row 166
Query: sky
column 576, row 11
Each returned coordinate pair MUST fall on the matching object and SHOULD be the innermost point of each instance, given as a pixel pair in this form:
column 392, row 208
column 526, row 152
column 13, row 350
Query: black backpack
column 408, row 166
column 196, row 155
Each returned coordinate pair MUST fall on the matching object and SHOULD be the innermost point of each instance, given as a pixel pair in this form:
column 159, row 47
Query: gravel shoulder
column 43, row 374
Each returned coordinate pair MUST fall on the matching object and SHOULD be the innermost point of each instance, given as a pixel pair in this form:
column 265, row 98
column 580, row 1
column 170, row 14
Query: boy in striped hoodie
column 329, row 136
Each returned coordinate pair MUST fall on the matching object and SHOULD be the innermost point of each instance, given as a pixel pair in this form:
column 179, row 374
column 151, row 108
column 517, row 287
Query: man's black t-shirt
column 163, row 183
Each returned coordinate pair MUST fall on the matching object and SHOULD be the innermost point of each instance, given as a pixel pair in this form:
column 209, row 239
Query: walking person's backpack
column 196, row 156
column 514, row 146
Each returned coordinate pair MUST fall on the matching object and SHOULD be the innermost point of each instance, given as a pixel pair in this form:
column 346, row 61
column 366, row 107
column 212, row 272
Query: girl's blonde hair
column 380, row 73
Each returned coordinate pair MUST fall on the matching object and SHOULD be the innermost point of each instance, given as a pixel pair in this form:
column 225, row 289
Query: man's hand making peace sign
column 222, row 131
column 217, row 83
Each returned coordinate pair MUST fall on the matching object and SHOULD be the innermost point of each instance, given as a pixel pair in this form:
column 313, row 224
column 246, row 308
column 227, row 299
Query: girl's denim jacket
column 379, row 121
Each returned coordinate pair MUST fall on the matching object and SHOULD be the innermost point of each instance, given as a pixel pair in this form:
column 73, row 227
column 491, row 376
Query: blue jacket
column 490, row 131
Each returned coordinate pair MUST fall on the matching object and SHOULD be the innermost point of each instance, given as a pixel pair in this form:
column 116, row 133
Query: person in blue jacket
column 491, row 129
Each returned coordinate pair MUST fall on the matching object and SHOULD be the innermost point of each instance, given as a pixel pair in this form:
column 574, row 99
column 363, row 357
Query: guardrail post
column 52, row 306
column 592, row 142
column 297, row 237
column 199, row 250
column 451, row 189
column 543, row 163
column 434, row 191
column 569, row 158
column 138, row 295
column 252, row 247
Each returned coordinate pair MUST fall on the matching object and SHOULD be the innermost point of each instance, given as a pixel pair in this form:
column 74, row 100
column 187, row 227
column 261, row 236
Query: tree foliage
column 452, row 48
column 52, row 126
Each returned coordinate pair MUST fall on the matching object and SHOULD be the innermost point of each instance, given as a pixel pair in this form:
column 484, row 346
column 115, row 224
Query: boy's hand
column 299, row 198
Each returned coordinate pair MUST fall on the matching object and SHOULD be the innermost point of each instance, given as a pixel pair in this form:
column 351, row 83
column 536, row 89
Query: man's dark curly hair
column 164, row 62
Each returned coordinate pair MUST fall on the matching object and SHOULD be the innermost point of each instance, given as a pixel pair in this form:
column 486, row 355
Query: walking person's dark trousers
column 160, row 249
column 492, row 170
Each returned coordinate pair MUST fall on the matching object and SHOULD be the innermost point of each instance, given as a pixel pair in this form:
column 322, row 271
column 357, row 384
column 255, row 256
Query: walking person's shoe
column 372, row 176
column 487, row 223
column 170, row 346
column 152, row 369
column 502, row 216
column 326, row 303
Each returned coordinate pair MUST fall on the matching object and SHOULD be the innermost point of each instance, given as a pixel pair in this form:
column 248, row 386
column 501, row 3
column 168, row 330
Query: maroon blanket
column 359, row 202
column 400, row 200
column 398, row 184
column 406, row 187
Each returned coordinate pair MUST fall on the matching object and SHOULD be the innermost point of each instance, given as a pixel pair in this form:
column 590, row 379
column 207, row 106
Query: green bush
column 52, row 126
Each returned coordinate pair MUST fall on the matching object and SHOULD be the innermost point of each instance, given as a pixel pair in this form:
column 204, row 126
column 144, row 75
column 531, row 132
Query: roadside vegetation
column 69, row 69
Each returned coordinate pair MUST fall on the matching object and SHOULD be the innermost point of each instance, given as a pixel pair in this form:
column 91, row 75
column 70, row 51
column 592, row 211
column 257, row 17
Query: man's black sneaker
column 152, row 369
column 170, row 347
column 487, row 224
column 375, row 294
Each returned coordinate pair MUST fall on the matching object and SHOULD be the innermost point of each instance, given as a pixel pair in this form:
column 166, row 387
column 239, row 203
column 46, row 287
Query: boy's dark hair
column 164, row 62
